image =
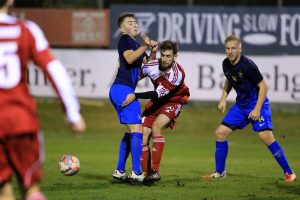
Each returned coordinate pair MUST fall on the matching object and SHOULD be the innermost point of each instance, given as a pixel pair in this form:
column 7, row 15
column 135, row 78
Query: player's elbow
column 266, row 87
column 263, row 86
column 129, row 61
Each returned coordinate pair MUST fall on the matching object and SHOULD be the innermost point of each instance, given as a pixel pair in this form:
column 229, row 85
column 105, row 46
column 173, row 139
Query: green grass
column 189, row 153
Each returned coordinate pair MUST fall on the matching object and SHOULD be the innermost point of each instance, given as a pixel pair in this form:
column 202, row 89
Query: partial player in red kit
column 20, row 135
column 166, row 102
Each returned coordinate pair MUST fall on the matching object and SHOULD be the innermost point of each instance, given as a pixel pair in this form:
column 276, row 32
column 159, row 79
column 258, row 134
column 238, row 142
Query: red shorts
column 17, row 119
column 23, row 155
column 171, row 110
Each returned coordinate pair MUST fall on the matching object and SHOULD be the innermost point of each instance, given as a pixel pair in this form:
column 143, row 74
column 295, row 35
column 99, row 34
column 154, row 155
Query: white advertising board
column 93, row 71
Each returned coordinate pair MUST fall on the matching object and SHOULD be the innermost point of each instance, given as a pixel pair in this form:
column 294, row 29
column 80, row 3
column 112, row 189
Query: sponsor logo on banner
column 205, row 28
column 87, row 27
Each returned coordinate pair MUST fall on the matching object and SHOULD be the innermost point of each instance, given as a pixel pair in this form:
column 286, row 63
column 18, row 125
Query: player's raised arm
column 154, row 48
column 131, row 56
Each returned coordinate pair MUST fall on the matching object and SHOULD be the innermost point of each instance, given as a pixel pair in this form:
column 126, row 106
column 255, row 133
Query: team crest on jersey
column 241, row 74
column 169, row 109
column 163, row 91
column 234, row 78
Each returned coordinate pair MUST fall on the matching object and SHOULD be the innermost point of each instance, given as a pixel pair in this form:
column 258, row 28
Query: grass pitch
column 189, row 153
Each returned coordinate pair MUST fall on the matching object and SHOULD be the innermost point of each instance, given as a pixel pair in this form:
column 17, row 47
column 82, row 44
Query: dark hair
column 2, row 3
column 169, row 45
column 123, row 16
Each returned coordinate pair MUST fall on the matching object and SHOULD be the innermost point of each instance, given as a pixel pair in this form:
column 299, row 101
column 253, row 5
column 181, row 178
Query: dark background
column 107, row 3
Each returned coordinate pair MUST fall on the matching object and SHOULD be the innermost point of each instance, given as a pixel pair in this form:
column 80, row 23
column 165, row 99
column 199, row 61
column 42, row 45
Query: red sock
column 157, row 150
column 145, row 159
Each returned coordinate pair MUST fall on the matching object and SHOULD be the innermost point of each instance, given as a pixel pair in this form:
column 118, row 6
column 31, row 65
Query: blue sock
column 279, row 155
column 221, row 155
column 124, row 152
column 136, row 141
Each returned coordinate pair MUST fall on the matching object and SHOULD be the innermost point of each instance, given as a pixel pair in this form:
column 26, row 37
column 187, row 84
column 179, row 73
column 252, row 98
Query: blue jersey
column 244, row 78
column 128, row 73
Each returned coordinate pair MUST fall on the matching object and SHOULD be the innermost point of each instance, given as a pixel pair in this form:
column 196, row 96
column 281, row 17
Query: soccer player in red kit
column 20, row 138
column 166, row 102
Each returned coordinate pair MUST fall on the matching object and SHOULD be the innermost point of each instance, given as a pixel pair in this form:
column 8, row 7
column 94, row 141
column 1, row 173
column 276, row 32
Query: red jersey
column 168, row 84
column 21, row 41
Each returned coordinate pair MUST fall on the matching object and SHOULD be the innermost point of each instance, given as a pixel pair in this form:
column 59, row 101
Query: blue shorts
column 237, row 118
column 130, row 114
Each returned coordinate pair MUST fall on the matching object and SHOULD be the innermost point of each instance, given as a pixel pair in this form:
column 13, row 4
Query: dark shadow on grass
column 75, row 186
column 245, row 175
column 94, row 181
column 256, row 197
column 290, row 188
column 94, row 176
column 232, row 175
column 108, row 179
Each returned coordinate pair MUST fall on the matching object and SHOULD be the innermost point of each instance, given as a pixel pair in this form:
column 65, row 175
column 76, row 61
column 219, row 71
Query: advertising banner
column 71, row 27
column 264, row 30
column 93, row 71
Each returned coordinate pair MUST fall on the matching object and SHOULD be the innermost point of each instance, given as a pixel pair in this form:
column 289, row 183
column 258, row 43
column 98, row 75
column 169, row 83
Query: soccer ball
column 69, row 165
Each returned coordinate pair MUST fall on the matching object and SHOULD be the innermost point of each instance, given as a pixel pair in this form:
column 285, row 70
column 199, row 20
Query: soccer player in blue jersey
column 131, row 57
column 252, row 106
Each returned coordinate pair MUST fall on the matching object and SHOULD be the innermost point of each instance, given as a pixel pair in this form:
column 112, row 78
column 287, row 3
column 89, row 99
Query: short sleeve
column 126, row 43
column 39, row 50
column 252, row 72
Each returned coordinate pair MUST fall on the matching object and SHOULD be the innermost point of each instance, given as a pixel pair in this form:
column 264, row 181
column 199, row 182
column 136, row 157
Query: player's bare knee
column 6, row 192
column 222, row 133
column 220, row 136
column 156, row 129
column 135, row 128
column 267, row 137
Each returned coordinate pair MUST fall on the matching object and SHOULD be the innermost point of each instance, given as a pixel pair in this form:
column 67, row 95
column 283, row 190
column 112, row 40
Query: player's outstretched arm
column 129, row 98
column 57, row 75
column 143, row 95
column 60, row 80
column 62, row 84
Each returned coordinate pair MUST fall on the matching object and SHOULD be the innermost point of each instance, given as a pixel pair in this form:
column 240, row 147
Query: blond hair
column 233, row 38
